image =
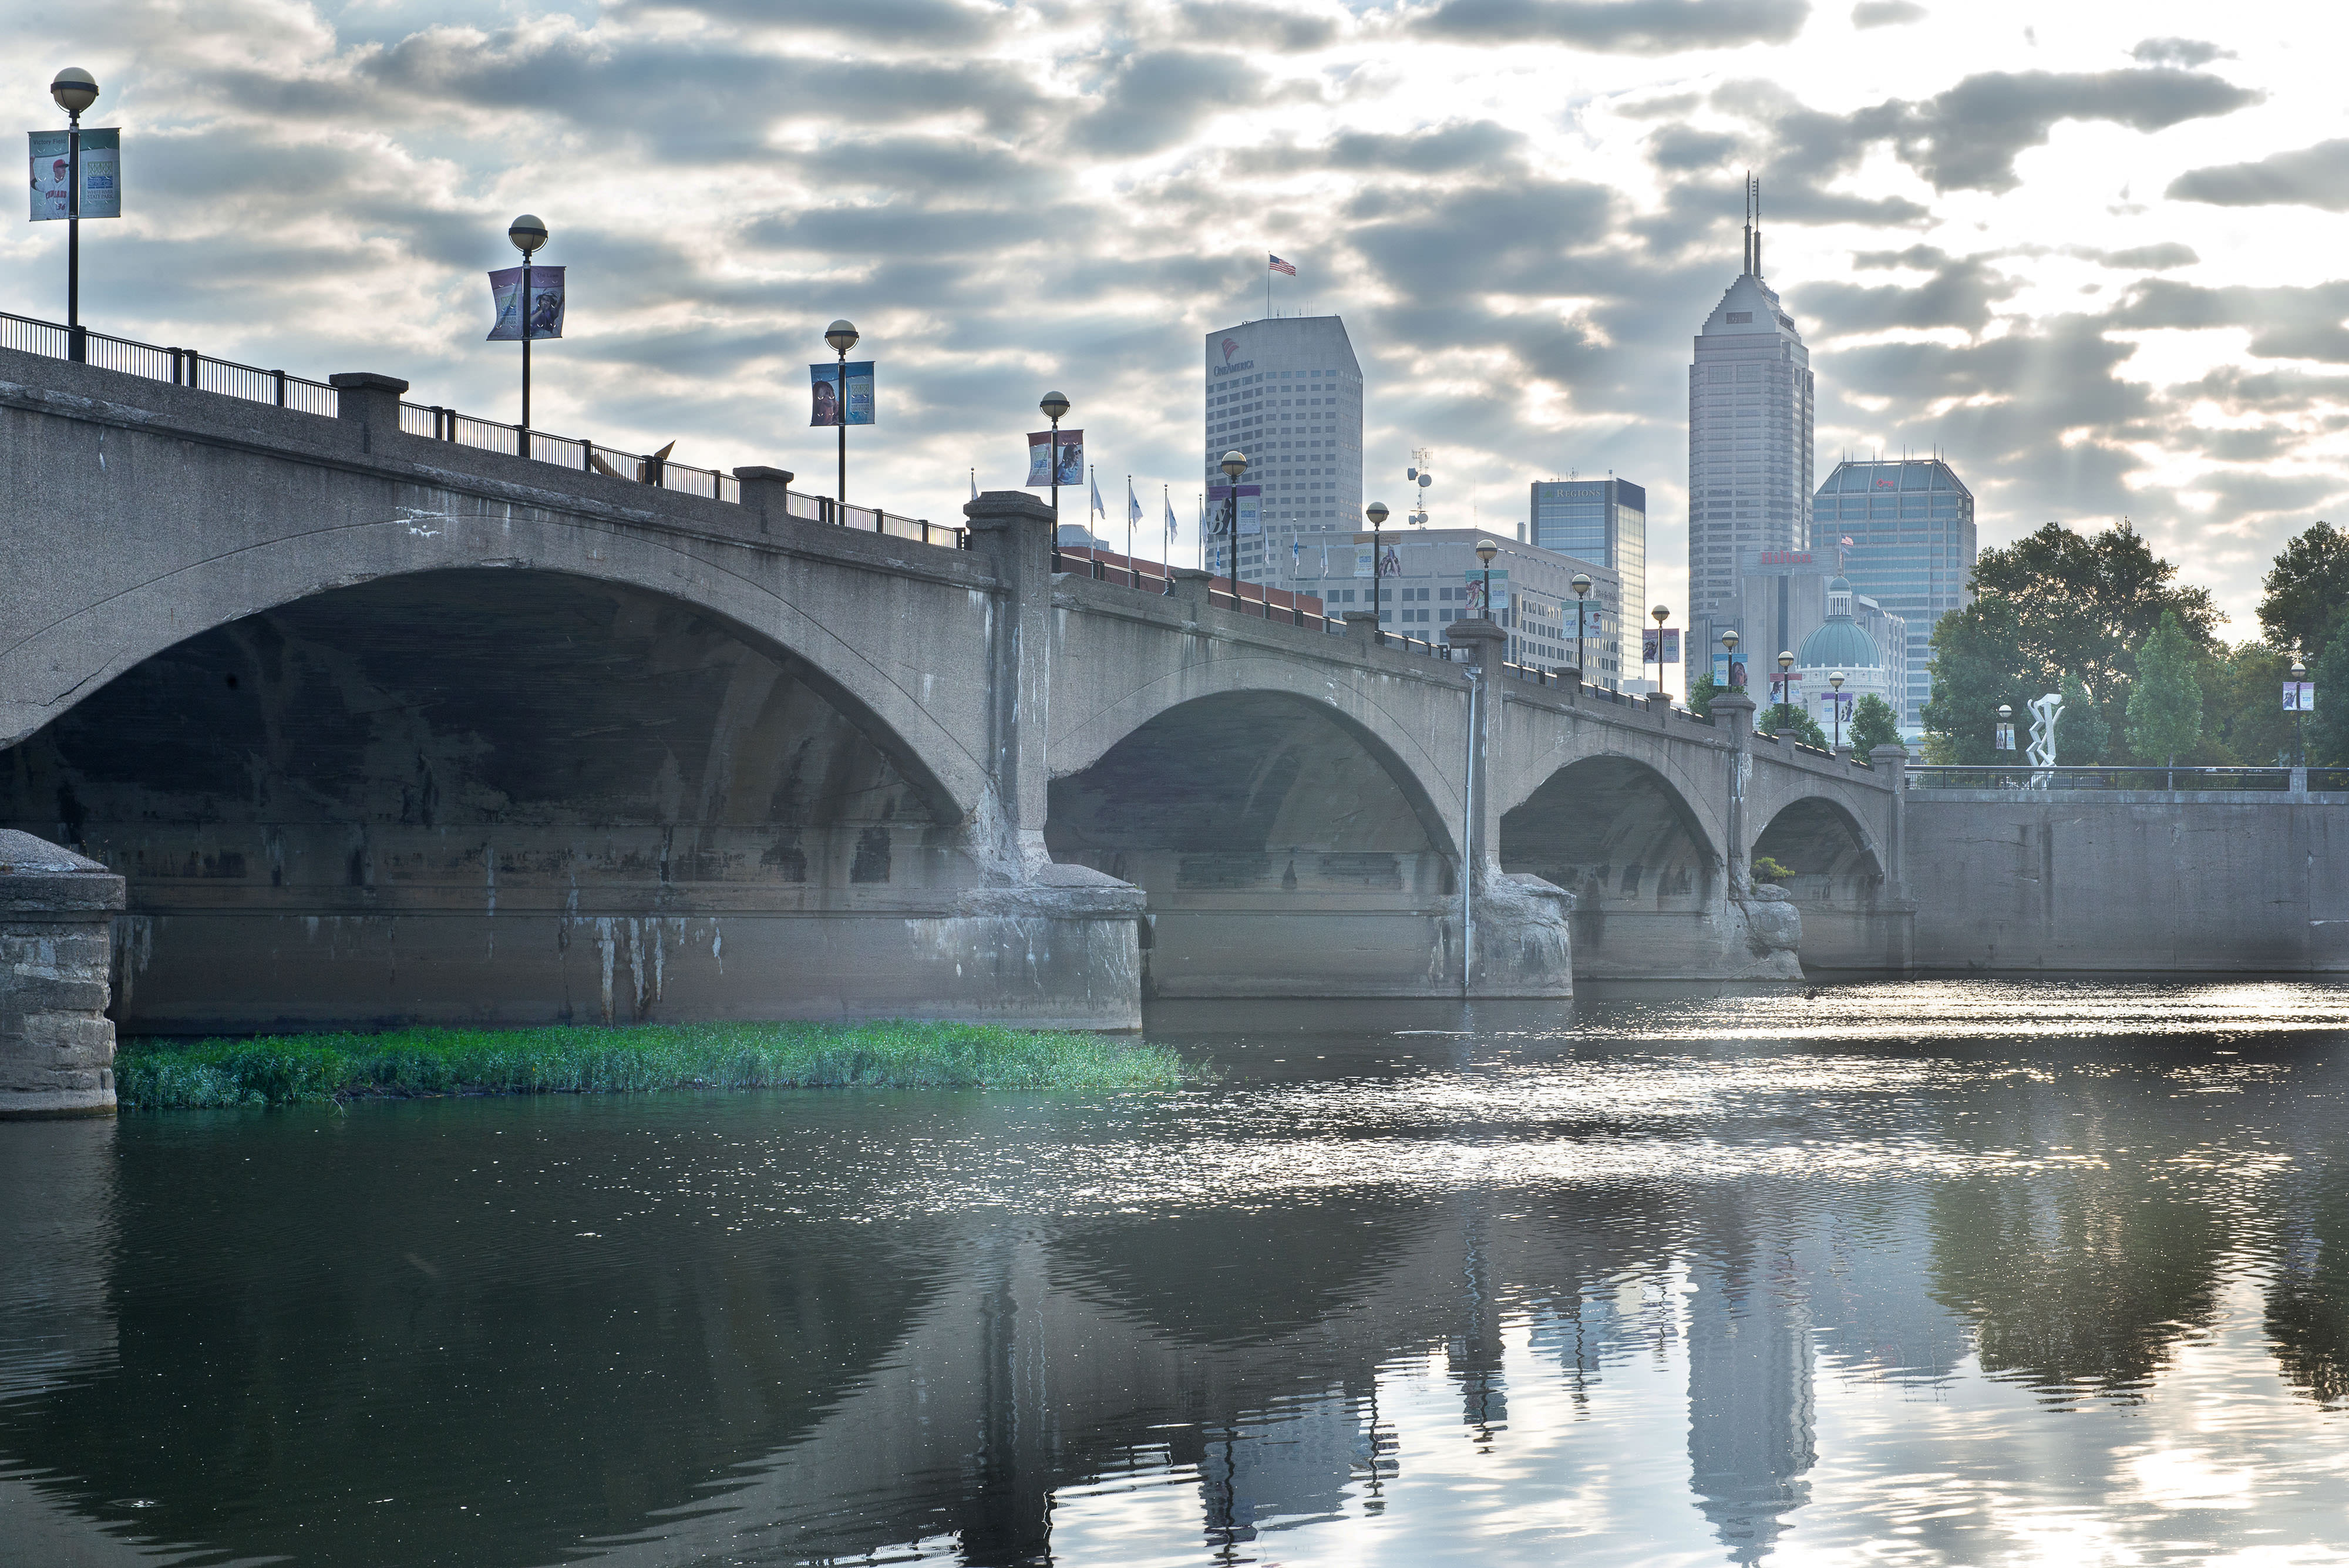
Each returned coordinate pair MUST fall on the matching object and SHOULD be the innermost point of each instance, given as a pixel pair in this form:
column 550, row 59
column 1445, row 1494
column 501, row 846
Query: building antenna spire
column 1747, row 256
column 1756, row 181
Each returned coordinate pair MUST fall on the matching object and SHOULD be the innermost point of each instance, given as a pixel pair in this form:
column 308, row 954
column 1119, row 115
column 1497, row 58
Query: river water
column 1902, row 1274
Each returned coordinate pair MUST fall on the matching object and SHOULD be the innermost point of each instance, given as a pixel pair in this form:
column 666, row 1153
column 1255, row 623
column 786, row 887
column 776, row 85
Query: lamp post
column 1662, row 613
column 1835, row 684
column 1056, row 409
column 842, row 334
column 75, row 90
column 2299, row 718
column 527, row 234
column 1581, row 586
column 1785, row 663
column 1376, row 513
column 1235, row 464
column 1729, row 642
column 1485, row 551
column 2005, row 740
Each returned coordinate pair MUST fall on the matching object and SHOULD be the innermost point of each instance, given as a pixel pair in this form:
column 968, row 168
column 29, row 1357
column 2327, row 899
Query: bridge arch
column 825, row 629
column 492, row 795
column 1238, row 810
column 1621, row 837
column 1827, row 852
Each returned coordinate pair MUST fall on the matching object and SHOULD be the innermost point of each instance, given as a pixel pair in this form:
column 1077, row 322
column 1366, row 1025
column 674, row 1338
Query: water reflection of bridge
column 871, row 1374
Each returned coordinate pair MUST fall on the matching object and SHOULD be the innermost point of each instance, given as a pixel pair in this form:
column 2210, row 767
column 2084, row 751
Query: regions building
column 1750, row 406
column 1606, row 521
column 1907, row 533
column 1433, row 579
column 1287, row 392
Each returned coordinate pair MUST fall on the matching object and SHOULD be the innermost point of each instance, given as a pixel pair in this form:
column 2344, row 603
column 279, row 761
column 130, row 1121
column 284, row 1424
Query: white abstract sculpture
column 2044, row 714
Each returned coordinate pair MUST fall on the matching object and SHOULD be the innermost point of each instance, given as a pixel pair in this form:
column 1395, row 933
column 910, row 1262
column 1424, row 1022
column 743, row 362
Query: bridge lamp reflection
column 527, row 234
column 842, row 336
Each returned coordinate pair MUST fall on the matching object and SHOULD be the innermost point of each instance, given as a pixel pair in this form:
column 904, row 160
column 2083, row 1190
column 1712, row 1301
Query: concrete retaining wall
column 2022, row 883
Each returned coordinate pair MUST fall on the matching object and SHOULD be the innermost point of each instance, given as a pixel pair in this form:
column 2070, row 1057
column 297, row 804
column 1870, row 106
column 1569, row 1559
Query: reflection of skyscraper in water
column 1288, row 1465
column 1749, row 1350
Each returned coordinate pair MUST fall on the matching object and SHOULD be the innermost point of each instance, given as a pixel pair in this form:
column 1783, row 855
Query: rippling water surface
column 1922, row 1272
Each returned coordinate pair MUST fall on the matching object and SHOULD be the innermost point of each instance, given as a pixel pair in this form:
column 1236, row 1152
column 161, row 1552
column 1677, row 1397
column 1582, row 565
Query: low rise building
column 1434, row 578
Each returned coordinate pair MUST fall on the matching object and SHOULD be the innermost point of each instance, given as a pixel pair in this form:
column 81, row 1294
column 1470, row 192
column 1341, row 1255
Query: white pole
column 1468, row 840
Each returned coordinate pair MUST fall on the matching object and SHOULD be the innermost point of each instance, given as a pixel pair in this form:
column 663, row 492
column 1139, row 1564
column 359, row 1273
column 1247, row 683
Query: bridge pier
column 56, row 1043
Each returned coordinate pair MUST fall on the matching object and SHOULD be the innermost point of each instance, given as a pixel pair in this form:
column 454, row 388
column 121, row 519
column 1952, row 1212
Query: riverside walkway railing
column 2146, row 779
column 207, row 373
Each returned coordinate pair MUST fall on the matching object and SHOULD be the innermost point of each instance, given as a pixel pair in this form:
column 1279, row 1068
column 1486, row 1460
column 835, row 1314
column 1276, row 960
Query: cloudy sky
column 2095, row 253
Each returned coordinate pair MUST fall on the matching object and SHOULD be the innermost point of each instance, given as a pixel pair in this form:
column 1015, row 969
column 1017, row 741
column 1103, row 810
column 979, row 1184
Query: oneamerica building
column 1288, row 393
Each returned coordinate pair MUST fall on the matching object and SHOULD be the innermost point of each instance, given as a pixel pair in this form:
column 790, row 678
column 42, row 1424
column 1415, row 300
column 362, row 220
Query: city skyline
column 2089, row 262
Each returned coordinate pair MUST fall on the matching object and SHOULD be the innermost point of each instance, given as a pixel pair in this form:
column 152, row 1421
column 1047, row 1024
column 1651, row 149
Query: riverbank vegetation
column 286, row 1069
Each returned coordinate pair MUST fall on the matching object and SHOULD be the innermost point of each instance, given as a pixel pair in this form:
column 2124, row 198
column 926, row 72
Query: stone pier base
column 56, row 1043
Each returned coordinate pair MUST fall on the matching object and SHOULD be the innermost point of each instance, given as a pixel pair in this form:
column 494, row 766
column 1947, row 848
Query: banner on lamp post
column 1039, row 457
column 544, row 305
column 101, row 175
column 2299, row 697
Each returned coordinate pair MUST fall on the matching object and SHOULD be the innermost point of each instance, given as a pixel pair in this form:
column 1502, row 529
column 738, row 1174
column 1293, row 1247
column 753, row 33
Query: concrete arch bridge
column 382, row 728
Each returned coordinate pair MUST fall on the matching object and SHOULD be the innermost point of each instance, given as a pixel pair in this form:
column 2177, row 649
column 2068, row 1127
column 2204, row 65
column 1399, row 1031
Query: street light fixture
column 1376, row 513
column 1581, row 583
column 2005, row 740
column 526, row 234
column 1785, row 663
column 1662, row 613
column 1834, row 682
column 1729, row 642
column 2299, row 717
column 1485, row 551
column 75, row 90
column 1056, row 409
column 842, row 334
column 1234, row 464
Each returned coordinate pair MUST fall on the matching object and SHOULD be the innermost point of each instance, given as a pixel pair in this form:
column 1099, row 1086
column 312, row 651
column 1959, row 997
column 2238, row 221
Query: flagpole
column 1131, row 581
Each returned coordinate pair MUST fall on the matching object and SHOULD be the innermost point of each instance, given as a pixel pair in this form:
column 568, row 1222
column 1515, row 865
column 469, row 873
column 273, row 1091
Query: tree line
column 2145, row 675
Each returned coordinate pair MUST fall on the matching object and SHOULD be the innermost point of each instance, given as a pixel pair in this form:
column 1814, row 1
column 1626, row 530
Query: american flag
column 1846, row 539
column 1280, row 265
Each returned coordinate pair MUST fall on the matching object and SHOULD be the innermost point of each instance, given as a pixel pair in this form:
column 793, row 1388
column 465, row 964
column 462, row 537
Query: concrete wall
column 2046, row 882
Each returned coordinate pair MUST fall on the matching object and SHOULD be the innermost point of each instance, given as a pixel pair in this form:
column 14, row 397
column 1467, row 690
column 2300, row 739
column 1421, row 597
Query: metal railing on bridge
column 2149, row 779
column 206, row 373
column 1269, row 603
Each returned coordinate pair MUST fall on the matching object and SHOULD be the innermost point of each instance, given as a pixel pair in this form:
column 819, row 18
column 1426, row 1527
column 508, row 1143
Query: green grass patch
column 291, row 1069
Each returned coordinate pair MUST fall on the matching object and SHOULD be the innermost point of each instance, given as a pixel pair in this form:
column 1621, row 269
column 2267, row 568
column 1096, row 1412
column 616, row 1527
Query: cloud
column 1237, row 22
column 1154, row 99
column 2315, row 176
column 1959, row 294
column 2186, row 52
column 1967, row 138
column 2284, row 323
column 932, row 24
column 1621, row 26
column 1446, row 149
column 2148, row 258
column 1683, row 147
column 1886, row 13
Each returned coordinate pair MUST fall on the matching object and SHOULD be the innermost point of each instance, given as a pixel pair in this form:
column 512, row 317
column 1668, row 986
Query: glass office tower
column 1603, row 520
column 1288, row 393
column 1750, row 405
column 1907, row 530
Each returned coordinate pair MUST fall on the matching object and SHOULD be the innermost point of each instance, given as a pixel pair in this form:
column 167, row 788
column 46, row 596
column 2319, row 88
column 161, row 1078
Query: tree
column 1873, row 724
column 1700, row 694
column 2328, row 727
column 2054, row 604
column 2081, row 733
column 2165, row 706
column 1793, row 720
column 2307, row 591
column 1975, row 671
column 2243, row 720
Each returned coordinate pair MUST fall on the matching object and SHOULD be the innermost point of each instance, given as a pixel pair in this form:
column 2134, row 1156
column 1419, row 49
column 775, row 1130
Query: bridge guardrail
column 2129, row 776
column 188, row 367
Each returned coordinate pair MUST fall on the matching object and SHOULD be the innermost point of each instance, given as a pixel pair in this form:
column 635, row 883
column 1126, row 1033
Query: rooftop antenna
column 1748, row 254
column 1756, row 181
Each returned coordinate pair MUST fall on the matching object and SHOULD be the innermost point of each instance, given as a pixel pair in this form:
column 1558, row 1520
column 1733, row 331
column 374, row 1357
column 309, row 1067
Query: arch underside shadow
column 1835, row 878
column 1283, row 854
column 497, row 796
column 1646, row 876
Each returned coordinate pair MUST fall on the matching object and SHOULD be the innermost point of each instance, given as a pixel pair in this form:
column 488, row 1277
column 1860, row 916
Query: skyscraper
column 1749, row 402
column 1288, row 393
column 1907, row 530
column 1606, row 521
